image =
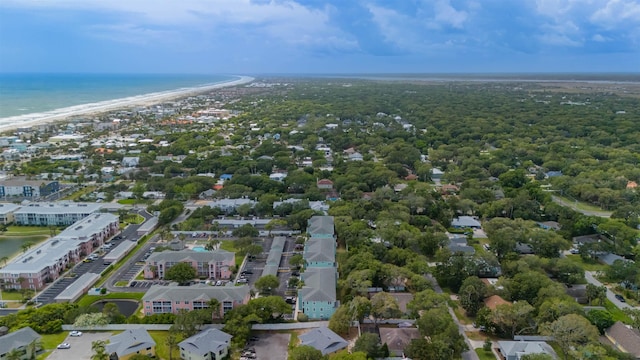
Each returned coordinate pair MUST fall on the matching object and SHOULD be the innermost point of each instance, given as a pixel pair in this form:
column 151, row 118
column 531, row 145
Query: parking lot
column 147, row 283
column 271, row 346
column 47, row 296
column 80, row 347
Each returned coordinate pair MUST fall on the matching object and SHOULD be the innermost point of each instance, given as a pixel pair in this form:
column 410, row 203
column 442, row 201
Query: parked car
column 64, row 346
column 620, row 298
column 75, row 333
column 242, row 281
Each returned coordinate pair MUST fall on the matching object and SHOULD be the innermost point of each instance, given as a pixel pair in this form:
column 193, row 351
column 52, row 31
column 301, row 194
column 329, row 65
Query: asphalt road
column 610, row 294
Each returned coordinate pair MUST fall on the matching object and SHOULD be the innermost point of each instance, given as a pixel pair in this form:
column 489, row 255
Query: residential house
column 578, row 292
column 210, row 264
column 398, row 339
column 207, row 194
column 462, row 222
column 493, row 301
column 277, row 177
column 458, row 244
column 22, row 341
column 624, row 338
column 173, row 298
column 356, row 156
column 210, row 344
column 324, row 340
column 229, row 206
column 130, row 161
column 317, row 298
column 549, row 225
column 324, row 184
column 515, row 350
column 129, row 343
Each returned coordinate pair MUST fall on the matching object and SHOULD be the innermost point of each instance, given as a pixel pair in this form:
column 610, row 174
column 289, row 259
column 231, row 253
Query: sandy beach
column 13, row 122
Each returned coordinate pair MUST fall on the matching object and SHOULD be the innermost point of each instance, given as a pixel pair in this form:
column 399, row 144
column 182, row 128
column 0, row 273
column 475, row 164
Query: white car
column 64, row 346
column 75, row 333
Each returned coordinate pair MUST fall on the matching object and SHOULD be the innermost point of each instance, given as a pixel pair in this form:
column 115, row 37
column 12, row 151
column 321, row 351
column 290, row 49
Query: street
column 610, row 294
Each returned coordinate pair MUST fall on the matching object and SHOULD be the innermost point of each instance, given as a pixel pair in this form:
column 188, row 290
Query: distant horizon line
column 333, row 73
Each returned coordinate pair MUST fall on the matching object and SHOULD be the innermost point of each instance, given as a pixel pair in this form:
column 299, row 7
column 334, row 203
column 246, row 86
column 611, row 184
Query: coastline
column 14, row 122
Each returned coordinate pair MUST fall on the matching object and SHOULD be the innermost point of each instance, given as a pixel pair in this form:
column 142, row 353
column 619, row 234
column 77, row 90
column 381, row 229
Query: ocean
column 22, row 94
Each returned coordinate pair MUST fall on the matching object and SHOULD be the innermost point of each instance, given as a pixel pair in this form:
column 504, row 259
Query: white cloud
column 615, row 12
column 283, row 20
column 447, row 14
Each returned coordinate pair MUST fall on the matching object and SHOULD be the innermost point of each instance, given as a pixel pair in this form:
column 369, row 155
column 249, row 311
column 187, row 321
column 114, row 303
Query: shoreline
column 26, row 120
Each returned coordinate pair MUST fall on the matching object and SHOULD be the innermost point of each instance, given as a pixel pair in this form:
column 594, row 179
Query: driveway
column 610, row 294
column 80, row 347
column 271, row 346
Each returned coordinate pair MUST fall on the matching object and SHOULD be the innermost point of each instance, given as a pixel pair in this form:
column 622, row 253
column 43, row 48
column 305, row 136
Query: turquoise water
column 22, row 94
column 199, row 249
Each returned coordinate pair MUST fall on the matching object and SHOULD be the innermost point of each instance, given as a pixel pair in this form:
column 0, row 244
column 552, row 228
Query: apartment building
column 54, row 213
column 173, row 298
column 22, row 188
column 210, row 264
column 46, row 262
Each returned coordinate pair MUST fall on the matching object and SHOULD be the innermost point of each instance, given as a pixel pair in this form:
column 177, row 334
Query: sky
column 313, row 36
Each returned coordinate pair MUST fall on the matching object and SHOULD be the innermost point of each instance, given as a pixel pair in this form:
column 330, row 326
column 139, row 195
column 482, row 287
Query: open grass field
column 11, row 295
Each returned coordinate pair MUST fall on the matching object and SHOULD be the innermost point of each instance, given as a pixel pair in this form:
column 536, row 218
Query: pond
column 126, row 307
column 12, row 245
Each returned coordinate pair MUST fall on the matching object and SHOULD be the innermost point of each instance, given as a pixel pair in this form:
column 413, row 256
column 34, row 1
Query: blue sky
column 312, row 36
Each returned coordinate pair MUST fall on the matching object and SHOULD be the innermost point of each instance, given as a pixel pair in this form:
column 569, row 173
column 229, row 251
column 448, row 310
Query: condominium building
column 22, row 188
column 46, row 262
column 317, row 298
column 6, row 212
column 54, row 213
column 173, row 298
column 210, row 264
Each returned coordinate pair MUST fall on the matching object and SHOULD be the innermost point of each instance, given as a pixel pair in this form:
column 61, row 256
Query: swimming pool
column 199, row 249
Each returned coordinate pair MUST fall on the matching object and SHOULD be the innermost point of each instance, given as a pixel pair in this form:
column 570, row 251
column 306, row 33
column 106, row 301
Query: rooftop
column 59, row 207
column 190, row 255
column 196, row 292
column 207, row 341
column 324, row 340
column 129, row 342
column 319, row 284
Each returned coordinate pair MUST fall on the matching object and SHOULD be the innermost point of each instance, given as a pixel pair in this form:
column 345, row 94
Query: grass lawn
column 49, row 343
column 28, row 230
column 134, row 219
column 582, row 205
column 617, row 313
column 121, row 283
column 587, row 266
column 461, row 315
column 87, row 300
column 11, row 295
column 483, row 355
column 134, row 202
column 230, row 245
column 162, row 350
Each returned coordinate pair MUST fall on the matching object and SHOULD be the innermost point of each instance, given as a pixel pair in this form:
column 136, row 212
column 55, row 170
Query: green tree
column 511, row 319
column 172, row 340
column 594, row 292
column 305, row 352
column 14, row 354
column 384, row 306
column 267, row 283
column 571, row 331
column 296, row 260
column 472, row 293
column 188, row 323
column 601, row 319
column 369, row 344
column 99, row 350
column 181, row 273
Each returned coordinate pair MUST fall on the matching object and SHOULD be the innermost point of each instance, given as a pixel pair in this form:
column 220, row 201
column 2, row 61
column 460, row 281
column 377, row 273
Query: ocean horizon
column 23, row 94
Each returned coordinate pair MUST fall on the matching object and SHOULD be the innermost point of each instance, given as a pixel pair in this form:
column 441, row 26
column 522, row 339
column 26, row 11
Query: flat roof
column 89, row 226
column 59, row 207
column 120, row 250
column 8, row 207
column 72, row 291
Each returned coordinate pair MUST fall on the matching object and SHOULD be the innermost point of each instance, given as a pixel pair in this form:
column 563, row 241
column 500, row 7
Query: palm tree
column 4, row 260
column 33, row 347
column 14, row 354
column 172, row 342
column 99, row 350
